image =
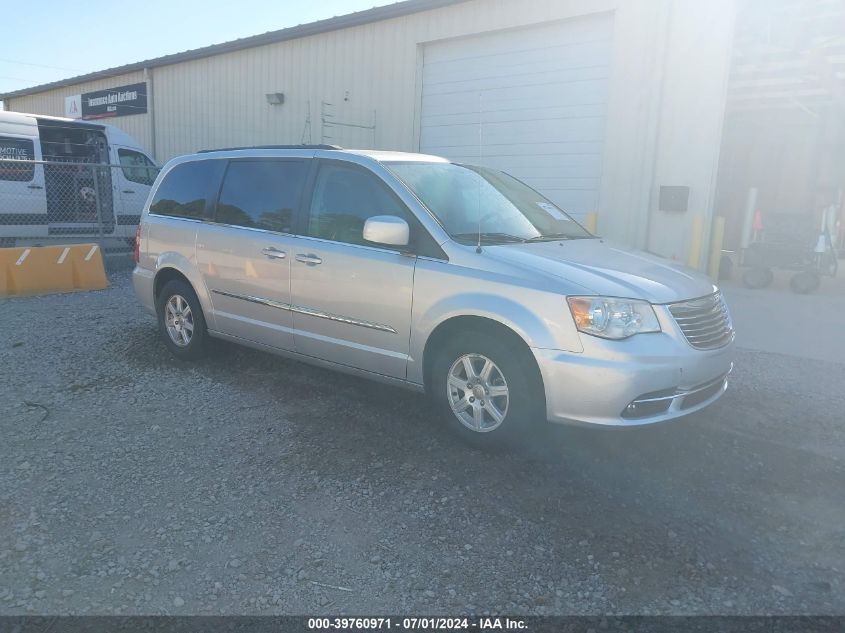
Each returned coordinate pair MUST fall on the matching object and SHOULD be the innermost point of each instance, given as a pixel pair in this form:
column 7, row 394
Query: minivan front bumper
column 646, row 379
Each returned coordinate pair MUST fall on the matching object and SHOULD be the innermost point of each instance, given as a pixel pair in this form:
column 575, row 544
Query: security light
column 275, row 98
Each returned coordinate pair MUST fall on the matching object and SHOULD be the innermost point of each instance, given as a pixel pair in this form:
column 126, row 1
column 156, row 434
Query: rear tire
column 181, row 321
column 487, row 389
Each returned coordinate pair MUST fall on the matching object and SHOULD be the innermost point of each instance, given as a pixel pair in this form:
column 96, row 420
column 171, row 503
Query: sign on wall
column 73, row 107
column 120, row 101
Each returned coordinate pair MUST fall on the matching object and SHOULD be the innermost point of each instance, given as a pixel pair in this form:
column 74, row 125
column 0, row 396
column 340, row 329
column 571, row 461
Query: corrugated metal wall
column 368, row 73
column 658, row 131
column 52, row 103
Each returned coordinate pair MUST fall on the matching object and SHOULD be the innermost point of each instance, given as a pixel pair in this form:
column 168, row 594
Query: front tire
column 487, row 389
column 181, row 321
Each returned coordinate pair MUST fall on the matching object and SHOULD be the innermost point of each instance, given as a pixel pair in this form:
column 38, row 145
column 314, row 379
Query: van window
column 137, row 167
column 12, row 151
column 345, row 196
column 186, row 188
column 261, row 193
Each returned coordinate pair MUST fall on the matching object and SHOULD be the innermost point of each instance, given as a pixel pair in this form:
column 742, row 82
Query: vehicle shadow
column 687, row 500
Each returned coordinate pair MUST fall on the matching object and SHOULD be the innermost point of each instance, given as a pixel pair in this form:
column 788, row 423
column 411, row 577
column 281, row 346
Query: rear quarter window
column 187, row 188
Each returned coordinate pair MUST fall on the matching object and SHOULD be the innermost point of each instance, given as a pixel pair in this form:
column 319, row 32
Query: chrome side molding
column 251, row 299
column 342, row 319
column 308, row 311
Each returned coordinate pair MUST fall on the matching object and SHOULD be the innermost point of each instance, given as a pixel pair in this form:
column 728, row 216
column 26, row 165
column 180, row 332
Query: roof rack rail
column 231, row 149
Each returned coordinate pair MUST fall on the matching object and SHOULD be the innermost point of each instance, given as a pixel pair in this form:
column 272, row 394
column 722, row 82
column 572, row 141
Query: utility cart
column 801, row 243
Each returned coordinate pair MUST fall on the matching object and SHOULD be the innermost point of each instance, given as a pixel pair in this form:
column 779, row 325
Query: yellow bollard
column 717, row 236
column 696, row 237
column 591, row 221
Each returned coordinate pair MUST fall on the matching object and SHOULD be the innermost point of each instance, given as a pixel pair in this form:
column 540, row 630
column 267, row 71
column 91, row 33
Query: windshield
column 468, row 200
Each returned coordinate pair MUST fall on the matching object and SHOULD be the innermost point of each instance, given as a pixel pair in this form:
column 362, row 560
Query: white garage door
column 531, row 102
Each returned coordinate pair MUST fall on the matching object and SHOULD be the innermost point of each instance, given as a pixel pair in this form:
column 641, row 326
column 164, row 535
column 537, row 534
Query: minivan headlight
column 609, row 317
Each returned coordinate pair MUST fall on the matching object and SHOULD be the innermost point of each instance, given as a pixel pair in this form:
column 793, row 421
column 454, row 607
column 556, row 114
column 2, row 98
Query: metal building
column 610, row 106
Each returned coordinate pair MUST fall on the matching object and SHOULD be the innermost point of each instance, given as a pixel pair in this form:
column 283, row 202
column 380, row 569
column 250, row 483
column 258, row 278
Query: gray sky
column 49, row 41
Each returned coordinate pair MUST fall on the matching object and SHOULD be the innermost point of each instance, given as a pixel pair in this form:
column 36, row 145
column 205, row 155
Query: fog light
column 649, row 404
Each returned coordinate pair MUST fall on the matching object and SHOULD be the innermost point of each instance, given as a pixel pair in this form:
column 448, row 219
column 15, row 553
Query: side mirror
column 386, row 229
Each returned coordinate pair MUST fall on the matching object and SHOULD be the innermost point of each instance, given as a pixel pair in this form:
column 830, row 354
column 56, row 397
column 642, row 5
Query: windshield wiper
column 550, row 237
column 487, row 236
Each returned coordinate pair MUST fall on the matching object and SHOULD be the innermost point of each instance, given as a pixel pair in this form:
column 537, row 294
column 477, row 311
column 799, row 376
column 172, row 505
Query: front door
column 132, row 182
column 351, row 299
column 245, row 253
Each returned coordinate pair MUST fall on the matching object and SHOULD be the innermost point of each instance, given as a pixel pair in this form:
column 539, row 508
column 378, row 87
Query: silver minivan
column 452, row 279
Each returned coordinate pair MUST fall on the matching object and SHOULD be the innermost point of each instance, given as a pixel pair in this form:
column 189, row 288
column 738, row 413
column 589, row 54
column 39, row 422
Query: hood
column 607, row 269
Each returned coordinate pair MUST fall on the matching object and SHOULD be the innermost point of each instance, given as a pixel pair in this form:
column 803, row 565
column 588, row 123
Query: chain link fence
column 45, row 202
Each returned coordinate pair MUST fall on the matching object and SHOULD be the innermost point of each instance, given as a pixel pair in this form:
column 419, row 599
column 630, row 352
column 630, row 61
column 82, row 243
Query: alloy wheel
column 478, row 393
column 179, row 320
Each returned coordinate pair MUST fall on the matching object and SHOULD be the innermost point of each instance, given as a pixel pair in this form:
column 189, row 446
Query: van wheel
column 805, row 282
column 487, row 389
column 180, row 320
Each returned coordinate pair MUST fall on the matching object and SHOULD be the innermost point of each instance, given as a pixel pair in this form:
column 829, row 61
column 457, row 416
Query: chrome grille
column 706, row 322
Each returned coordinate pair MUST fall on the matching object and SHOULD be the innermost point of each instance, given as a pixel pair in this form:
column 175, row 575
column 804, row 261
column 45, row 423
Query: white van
column 61, row 195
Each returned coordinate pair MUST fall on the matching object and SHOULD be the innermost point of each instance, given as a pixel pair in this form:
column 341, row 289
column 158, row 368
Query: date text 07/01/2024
column 420, row 623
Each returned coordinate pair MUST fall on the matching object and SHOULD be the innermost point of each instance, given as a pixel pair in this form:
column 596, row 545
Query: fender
column 518, row 317
column 180, row 263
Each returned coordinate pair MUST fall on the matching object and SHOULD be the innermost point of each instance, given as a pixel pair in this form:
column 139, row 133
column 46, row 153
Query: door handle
column 128, row 191
column 311, row 260
column 34, row 187
column 273, row 253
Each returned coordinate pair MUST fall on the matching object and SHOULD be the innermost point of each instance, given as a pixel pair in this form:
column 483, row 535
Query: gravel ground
column 245, row 483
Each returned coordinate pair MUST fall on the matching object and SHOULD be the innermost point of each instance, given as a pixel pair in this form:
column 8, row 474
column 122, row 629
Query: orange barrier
column 30, row 270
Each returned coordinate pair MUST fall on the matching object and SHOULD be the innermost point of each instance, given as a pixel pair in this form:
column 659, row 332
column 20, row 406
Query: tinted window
column 261, row 194
column 344, row 197
column 137, row 167
column 12, row 151
column 186, row 187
